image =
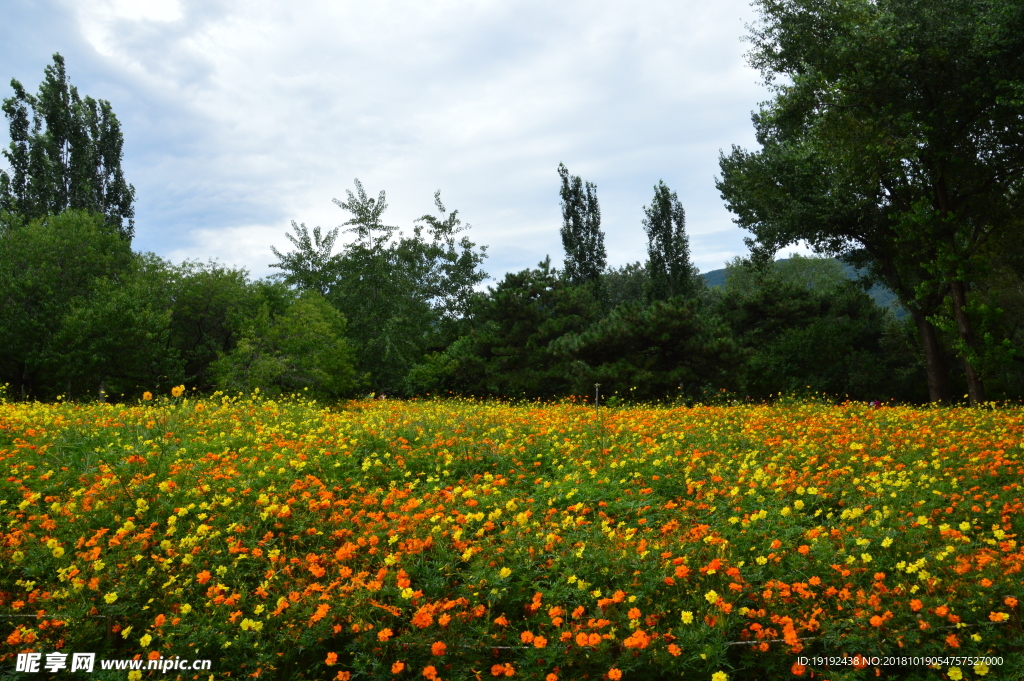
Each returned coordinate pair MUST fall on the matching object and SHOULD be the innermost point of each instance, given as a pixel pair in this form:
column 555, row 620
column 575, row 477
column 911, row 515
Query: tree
column 311, row 266
column 665, row 349
column 511, row 349
column 894, row 140
column 117, row 341
column 302, row 349
column 805, row 328
column 212, row 307
column 49, row 267
column 668, row 248
column 582, row 238
column 403, row 295
column 65, row 153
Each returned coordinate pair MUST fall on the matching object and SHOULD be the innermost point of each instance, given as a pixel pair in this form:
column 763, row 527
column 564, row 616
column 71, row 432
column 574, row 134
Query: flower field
column 464, row 540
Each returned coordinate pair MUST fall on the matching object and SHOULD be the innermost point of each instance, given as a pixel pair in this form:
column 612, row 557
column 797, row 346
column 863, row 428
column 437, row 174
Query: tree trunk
column 975, row 387
column 103, row 391
column 934, row 361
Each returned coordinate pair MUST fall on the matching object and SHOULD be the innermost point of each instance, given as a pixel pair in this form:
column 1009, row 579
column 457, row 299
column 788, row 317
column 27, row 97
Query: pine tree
column 65, row 153
column 668, row 248
column 582, row 238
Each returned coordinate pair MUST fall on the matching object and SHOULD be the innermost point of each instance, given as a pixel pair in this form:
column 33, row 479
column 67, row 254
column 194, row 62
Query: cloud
column 239, row 117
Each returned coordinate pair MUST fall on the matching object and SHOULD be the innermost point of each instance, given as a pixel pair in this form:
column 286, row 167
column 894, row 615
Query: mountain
column 882, row 296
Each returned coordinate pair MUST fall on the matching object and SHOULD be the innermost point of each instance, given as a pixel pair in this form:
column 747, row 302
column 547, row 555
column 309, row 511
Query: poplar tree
column 65, row 153
column 582, row 238
column 668, row 248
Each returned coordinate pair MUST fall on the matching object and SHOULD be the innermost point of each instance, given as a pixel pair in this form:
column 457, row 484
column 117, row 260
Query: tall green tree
column 403, row 294
column 668, row 248
column 894, row 139
column 582, row 238
column 65, row 153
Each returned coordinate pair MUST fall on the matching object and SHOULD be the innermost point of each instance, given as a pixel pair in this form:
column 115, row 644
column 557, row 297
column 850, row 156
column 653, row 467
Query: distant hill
column 882, row 296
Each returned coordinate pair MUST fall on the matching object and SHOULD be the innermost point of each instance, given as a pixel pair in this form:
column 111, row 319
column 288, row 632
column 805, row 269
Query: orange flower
column 952, row 641
column 582, row 639
column 877, row 621
column 429, row 672
column 941, row 611
column 438, row 648
column 639, row 639
column 539, row 642
column 634, row 613
column 1010, row 601
column 916, row 605
column 203, row 577
column 397, row 667
column 551, row 677
column 803, row 549
column 526, row 637
column 384, row 634
column 332, row 658
column 674, row 650
column 614, row 674
column 798, row 669
column 986, row 582
column 776, row 544
column 159, row 621
column 343, row 676
column 501, row 621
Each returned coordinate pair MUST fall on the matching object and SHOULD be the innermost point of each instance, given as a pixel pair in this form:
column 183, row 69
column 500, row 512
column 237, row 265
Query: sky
column 239, row 117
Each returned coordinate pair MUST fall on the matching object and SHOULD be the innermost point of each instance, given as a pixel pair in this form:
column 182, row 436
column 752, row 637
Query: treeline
column 83, row 316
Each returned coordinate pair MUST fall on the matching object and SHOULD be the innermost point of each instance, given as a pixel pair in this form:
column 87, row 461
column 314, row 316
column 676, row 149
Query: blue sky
column 239, row 117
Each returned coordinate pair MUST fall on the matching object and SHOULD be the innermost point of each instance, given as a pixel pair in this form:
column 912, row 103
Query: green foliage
column 403, row 296
column 894, row 138
column 668, row 248
column 48, row 268
column 212, row 306
column 510, row 350
column 301, row 349
column 668, row 349
column 582, row 238
column 65, row 153
column 626, row 284
column 807, row 329
column 87, row 356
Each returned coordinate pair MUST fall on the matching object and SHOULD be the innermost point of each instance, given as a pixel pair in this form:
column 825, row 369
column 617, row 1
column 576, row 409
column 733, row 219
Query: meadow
column 467, row 540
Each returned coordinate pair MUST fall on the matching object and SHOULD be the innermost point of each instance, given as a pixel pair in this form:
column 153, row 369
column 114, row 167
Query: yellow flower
column 981, row 669
column 126, row 631
column 145, row 640
column 186, row 609
column 134, row 675
column 711, row 596
column 110, row 597
column 147, row 396
column 58, row 552
column 177, row 390
column 955, row 674
column 719, row 676
column 687, row 617
column 504, row 572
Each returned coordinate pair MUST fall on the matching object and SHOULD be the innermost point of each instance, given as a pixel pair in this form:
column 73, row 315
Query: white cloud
column 239, row 117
